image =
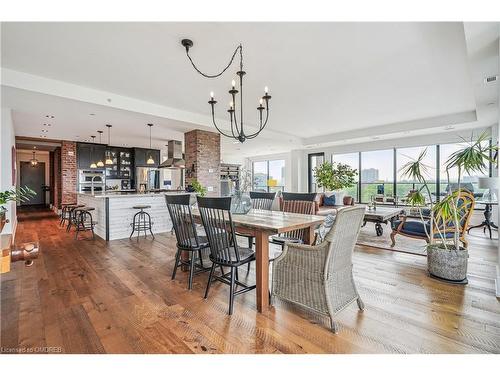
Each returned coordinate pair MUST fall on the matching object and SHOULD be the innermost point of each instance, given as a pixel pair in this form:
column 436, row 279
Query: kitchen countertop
column 111, row 194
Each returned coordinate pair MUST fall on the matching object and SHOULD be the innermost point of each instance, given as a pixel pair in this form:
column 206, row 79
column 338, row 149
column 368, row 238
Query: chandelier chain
column 239, row 48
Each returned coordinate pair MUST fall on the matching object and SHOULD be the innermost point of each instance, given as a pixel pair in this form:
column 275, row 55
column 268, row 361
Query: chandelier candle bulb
column 212, row 94
column 266, row 89
column 233, row 83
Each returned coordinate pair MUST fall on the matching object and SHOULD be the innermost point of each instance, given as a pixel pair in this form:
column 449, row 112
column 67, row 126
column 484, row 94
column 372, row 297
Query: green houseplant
column 335, row 177
column 446, row 257
column 199, row 188
column 23, row 194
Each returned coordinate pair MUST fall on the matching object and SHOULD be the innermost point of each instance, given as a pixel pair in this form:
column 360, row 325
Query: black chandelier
column 237, row 130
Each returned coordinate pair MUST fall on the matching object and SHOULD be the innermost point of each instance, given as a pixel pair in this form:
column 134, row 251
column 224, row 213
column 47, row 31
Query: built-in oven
column 91, row 180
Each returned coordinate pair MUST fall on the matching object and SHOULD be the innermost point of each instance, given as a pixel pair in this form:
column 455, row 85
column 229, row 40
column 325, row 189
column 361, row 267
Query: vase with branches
column 446, row 215
column 240, row 201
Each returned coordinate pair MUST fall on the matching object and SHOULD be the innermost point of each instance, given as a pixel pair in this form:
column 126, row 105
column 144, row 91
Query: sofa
column 323, row 210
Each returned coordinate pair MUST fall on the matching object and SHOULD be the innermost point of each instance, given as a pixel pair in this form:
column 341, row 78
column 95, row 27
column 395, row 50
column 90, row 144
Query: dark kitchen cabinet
column 88, row 153
column 142, row 155
column 122, row 167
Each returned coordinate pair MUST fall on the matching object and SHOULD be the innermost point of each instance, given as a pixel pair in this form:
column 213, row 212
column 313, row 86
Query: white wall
column 7, row 140
column 41, row 156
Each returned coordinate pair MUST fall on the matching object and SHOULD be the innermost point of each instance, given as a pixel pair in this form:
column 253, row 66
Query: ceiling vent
column 491, row 79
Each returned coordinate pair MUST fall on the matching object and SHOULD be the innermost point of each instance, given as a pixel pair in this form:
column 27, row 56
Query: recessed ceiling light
column 109, row 100
column 91, row 114
column 236, row 142
column 375, row 137
column 49, row 116
column 492, row 103
column 44, row 130
column 449, row 127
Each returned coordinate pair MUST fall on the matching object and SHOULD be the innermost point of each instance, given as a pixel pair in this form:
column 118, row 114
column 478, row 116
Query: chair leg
column 236, row 273
column 248, row 267
column 334, row 325
column 191, row 269
column 177, row 257
column 361, row 304
column 250, row 242
column 201, row 258
column 231, row 291
column 151, row 227
column 212, row 269
column 393, row 238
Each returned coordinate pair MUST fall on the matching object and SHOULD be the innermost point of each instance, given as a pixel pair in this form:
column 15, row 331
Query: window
column 268, row 175
column 314, row 160
column 404, row 184
column 351, row 160
column 468, row 182
column 377, row 174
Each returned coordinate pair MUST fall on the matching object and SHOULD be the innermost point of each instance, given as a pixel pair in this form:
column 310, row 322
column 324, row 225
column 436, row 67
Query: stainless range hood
column 175, row 157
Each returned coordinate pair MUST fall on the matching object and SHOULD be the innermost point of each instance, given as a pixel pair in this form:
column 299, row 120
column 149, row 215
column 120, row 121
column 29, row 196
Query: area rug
column 368, row 237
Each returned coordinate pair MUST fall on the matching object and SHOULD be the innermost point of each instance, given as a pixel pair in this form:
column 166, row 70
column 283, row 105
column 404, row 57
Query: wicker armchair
column 320, row 277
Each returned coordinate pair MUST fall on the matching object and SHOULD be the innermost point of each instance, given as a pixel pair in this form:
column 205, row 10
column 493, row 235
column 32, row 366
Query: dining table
column 261, row 224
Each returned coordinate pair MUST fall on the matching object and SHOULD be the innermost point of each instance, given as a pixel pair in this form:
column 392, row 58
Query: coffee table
column 381, row 215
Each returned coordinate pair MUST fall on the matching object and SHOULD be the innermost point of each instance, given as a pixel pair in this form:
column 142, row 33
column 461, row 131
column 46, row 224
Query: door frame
column 309, row 170
column 41, row 165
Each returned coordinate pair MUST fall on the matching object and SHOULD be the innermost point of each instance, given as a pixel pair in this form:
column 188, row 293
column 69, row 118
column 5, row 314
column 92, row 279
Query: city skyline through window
column 380, row 176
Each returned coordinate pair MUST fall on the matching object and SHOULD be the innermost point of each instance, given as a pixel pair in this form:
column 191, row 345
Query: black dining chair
column 224, row 250
column 299, row 203
column 187, row 236
column 260, row 201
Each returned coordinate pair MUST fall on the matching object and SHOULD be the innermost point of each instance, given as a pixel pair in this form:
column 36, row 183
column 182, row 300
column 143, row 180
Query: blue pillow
column 329, row 201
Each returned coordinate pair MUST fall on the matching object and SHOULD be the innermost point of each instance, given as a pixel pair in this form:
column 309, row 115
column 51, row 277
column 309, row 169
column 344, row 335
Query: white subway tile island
column 114, row 212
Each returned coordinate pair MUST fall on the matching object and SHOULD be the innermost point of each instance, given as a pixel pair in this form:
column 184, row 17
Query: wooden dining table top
column 272, row 221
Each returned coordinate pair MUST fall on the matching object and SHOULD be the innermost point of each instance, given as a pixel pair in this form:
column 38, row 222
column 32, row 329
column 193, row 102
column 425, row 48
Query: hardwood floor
column 91, row 297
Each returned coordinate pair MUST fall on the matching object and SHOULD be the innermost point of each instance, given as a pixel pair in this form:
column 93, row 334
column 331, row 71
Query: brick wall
column 68, row 172
column 202, row 149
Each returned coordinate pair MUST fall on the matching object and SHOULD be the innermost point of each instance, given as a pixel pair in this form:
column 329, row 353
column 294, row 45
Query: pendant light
column 93, row 165
column 100, row 163
column 34, row 161
column 108, row 160
column 150, row 159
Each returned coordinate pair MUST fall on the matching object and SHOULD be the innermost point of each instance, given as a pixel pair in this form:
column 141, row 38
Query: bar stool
column 71, row 215
column 84, row 221
column 65, row 212
column 141, row 221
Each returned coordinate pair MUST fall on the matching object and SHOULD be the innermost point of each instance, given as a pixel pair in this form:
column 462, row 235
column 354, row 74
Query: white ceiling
column 326, row 79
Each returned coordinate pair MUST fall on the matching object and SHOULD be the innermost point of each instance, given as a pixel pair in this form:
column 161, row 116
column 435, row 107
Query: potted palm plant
column 22, row 194
column 335, row 176
column 446, row 256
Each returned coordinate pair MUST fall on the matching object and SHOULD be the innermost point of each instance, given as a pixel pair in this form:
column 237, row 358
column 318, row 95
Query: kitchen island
column 114, row 213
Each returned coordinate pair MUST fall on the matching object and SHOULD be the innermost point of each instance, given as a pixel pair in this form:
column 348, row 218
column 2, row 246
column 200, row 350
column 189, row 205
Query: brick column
column 202, row 149
column 68, row 172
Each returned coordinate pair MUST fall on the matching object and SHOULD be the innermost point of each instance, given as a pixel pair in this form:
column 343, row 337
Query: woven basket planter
column 447, row 265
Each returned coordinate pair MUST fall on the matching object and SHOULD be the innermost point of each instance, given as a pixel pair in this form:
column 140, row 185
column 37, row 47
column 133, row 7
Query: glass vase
column 241, row 203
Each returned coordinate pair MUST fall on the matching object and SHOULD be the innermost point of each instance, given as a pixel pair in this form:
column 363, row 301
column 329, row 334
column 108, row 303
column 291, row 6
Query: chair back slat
column 262, row 201
column 216, row 218
column 298, row 203
column 182, row 221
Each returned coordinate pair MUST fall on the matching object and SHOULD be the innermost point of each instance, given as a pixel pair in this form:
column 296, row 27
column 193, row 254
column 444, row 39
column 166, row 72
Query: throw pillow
column 324, row 228
column 329, row 200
